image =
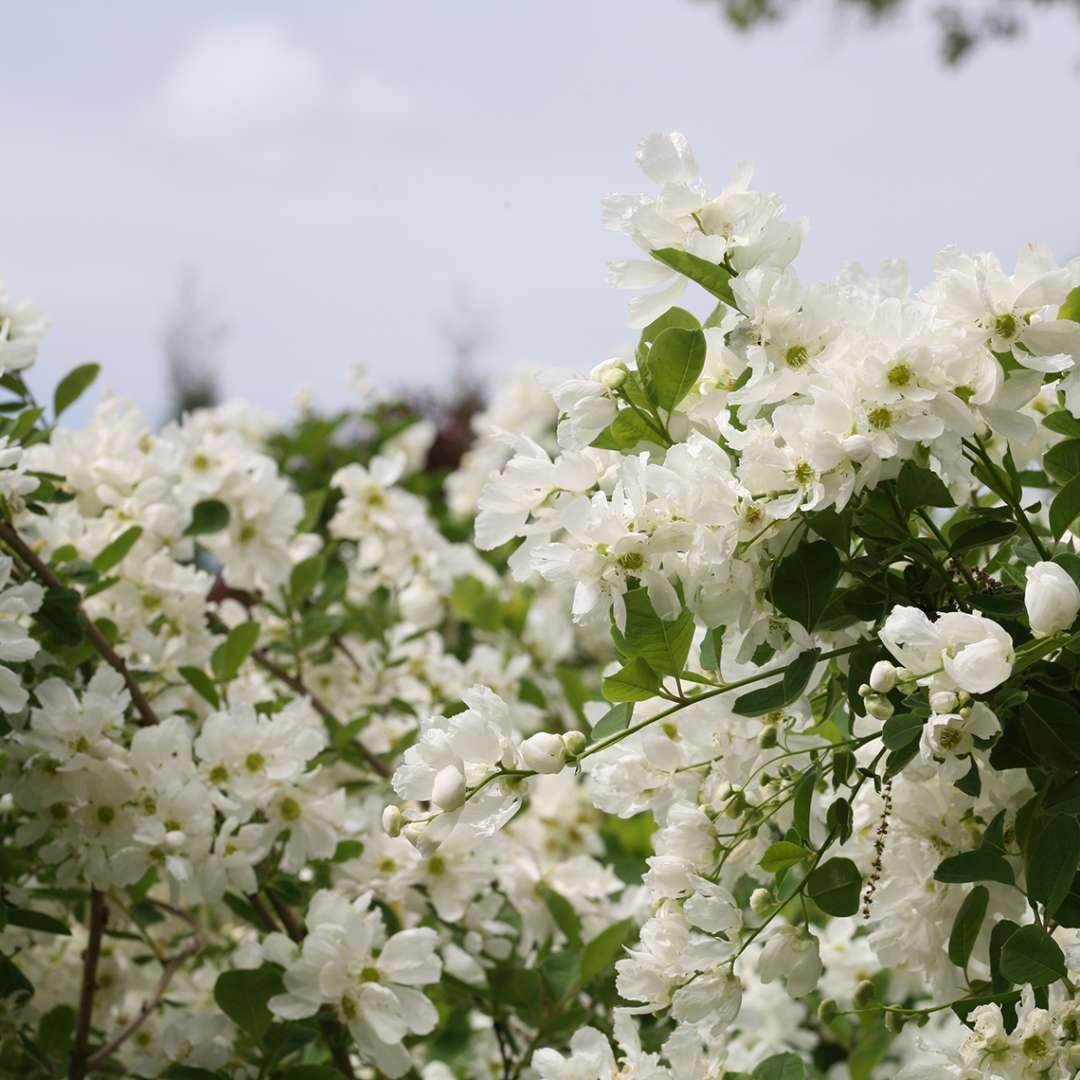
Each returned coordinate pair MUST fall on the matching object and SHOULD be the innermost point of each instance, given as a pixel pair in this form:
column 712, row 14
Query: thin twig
column 43, row 572
column 262, row 658
column 172, row 966
column 80, row 1054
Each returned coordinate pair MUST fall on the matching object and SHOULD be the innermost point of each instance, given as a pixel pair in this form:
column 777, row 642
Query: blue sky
column 344, row 176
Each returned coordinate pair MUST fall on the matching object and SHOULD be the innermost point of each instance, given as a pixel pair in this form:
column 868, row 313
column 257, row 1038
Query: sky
column 345, row 178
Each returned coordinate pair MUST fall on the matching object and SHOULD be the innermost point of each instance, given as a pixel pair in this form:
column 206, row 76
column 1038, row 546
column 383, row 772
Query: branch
column 80, row 1057
column 151, row 1003
column 108, row 653
column 262, row 658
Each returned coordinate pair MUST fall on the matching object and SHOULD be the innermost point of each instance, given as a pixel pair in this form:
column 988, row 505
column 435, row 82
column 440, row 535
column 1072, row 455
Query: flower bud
column 448, row 788
column 391, row 821
column 943, row 701
column 828, row 1011
column 865, row 994
column 865, row 690
column 760, row 901
column 894, row 1022
column 883, row 676
column 574, row 742
column 878, row 707
column 768, row 737
column 613, row 374
column 1051, row 597
column 906, row 680
column 544, row 752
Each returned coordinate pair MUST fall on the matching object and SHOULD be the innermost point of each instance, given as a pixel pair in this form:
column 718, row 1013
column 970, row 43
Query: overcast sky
column 341, row 175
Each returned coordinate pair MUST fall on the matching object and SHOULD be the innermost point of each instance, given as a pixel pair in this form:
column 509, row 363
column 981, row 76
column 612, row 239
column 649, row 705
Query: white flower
column 346, row 961
column 955, row 651
column 1051, row 597
column 590, row 1058
column 791, row 954
column 543, row 752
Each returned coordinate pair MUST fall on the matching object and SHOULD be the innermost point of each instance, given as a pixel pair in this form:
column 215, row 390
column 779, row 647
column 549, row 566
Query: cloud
column 240, row 78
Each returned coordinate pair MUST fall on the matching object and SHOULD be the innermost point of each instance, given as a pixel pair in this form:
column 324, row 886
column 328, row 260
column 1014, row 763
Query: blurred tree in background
column 962, row 26
column 192, row 342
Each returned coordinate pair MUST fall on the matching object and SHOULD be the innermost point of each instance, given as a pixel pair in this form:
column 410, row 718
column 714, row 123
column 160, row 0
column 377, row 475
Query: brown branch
column 45, row 574
column 262, row 658
column 172, row 966
column 80, row 1055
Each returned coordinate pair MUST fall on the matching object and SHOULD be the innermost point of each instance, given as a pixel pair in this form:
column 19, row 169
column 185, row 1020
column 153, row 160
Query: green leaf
column 674, row 364
column 1033, row 651
column 1063, row 797
column 965, row 536
column 902, row 729
column 1062, row 460
column 615, row 719
column 208, row 516
column 676, row 317
column 982, row 864
column 967, row 924
column 314, row 501
column 1032, row 956
column 113, row 554
column 835, row 887
column 566, row 918
column 59, row 616
column 56, row 1029
column 664, row 644
column 782, row 856
column 831, row 526
column 604, row 949
column 917, row 487
column 779, row 695
column 1063, row 422
column 305, row 576
column 227, row 658
column 243, row 997
column 804, row 581
column 635, row 681
column 562, row 972
column 473, row 602
column 73, row 385
column 1052, row 859
column 310, row 1072
column 201, row 683
column 1052, row 727
column 12, row 980
column 624, row 432
column 33, row 920
column 710, row 276
column 781, row 1067
column 1065, row 508
column 1071, row 308
column 1003, row 930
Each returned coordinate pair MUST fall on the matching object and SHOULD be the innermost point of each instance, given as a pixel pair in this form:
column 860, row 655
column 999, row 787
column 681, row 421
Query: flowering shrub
column 744, row 741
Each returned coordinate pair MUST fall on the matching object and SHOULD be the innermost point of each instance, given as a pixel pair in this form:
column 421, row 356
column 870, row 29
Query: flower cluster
column 717, row 717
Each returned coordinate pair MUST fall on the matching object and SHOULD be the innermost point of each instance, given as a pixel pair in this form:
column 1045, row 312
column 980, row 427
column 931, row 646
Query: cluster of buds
column 546, row 752
column 884, row 678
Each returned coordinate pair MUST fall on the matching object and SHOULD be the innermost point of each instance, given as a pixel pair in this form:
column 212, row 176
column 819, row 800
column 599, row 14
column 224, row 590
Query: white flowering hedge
column 742, row 742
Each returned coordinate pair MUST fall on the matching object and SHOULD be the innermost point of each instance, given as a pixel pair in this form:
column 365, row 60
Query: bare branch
column 262, row 658
column 80, row 1063
column 45, row 575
